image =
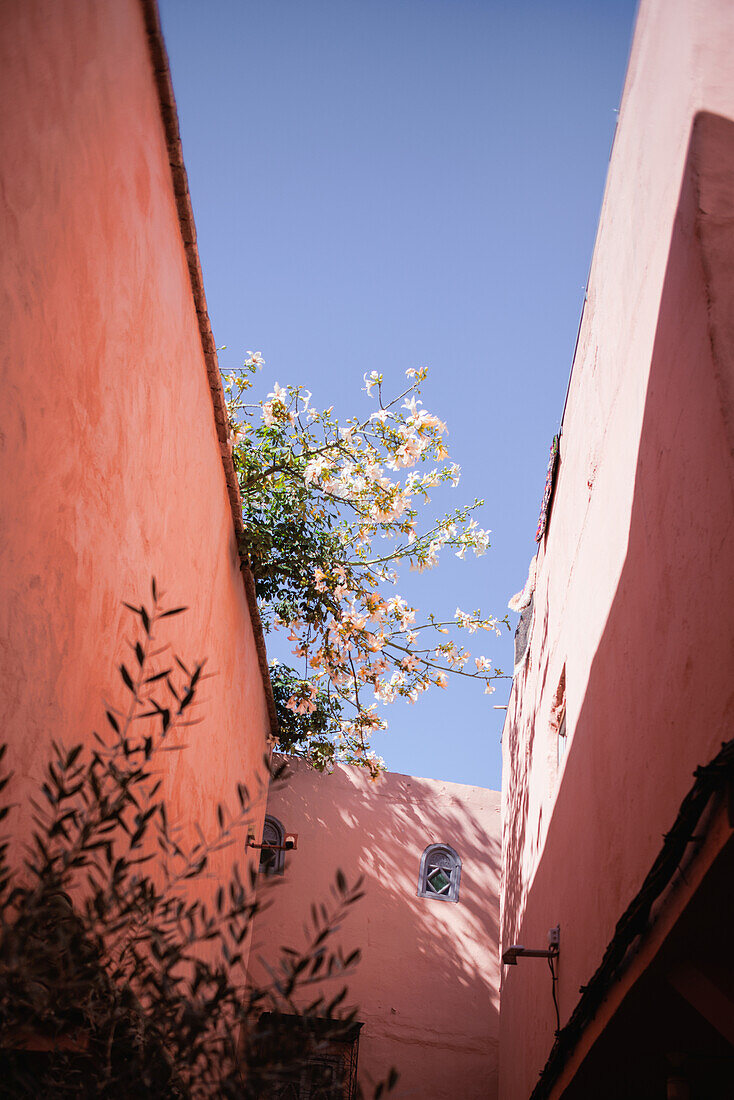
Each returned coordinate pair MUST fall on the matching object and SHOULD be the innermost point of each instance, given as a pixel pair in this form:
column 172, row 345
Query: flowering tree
column 330, row 514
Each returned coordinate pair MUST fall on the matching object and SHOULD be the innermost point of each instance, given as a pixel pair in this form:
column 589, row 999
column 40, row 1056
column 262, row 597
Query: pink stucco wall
column 635, row 586
column 426, row 985
column 110, row 465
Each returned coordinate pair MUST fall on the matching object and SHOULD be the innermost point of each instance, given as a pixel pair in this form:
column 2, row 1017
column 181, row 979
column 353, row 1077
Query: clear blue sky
column 383, row 184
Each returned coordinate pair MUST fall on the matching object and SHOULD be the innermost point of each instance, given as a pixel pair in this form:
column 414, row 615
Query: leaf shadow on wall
column 428, row 974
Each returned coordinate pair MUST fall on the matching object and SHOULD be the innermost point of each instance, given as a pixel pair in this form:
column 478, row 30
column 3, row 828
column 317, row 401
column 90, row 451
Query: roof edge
column 179, row 179
column 715, row 777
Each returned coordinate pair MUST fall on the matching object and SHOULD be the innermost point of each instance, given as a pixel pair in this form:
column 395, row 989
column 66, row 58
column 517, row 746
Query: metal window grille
column 440, row 873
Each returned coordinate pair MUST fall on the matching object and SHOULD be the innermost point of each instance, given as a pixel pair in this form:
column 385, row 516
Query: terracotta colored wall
column 635, row 585
column 110, row 467
column 426, row 985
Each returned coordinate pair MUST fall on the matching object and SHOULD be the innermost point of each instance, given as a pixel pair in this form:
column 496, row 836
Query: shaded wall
column 426, row 986
column 635, row 587
column 110, row 463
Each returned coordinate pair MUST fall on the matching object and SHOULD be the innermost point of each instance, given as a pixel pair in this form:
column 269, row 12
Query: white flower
column 314, row 469
column 428, row 420
column 407, row 453
column 470, row 622
column 371, row 380
column 319, row 580
column 275, row 408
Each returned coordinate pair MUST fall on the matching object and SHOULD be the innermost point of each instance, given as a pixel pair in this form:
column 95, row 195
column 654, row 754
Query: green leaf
column 127, row 679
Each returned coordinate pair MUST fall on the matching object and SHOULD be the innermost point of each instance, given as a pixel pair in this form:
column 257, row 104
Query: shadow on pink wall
column 659, row 698
column 426, row 985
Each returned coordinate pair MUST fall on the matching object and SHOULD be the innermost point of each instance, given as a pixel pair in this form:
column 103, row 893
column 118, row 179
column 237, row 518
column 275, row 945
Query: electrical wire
column 554, row 982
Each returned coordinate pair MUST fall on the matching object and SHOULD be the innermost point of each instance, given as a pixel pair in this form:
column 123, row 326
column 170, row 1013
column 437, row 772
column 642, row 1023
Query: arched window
column 272, row 862
column 439, row 873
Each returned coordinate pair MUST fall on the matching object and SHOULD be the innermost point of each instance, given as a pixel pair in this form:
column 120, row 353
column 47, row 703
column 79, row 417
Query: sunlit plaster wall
column 635, row 586
column 110, row 466
column 426, row 985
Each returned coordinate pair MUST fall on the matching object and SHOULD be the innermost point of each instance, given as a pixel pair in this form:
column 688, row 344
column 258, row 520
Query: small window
column 440, row 872
column 272, row 860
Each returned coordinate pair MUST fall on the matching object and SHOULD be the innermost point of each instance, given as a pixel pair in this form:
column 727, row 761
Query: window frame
column 432, row 851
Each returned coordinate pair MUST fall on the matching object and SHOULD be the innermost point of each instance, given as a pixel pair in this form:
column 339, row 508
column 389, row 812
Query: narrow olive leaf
column 173, row 611
column 158, row 676
column 336, row 1001
column 127, row 678
column 112, row 721
column 73, row 754
column 341, row 882
column 186, row 701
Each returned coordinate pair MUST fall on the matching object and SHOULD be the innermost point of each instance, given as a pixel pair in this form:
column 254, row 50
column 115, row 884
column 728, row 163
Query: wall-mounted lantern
column 551, row 953
column 290, row 844
column 517, row 951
